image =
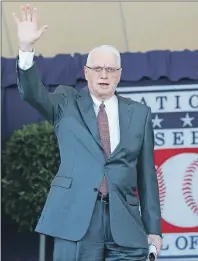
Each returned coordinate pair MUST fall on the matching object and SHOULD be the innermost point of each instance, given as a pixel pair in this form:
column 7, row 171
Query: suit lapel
column 125, row 111
column 85, row 105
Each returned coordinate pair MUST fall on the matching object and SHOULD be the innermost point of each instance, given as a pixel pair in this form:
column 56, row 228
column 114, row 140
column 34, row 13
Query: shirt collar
column 111, row 101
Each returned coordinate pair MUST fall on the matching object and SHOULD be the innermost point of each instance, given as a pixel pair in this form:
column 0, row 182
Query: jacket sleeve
column 50, row 105
column 148, row 189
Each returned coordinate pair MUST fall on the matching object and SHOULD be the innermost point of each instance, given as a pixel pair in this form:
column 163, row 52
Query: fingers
column 42, row 30
column 159, row 247
column 29, row 15
column 26, row 14
column 23, row 13
column 35, row 15
column 16, row 19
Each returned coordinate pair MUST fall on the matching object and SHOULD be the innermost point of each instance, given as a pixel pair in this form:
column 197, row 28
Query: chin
column 106, row 94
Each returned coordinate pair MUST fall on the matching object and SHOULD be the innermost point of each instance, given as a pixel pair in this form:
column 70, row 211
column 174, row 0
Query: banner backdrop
column 175, row 122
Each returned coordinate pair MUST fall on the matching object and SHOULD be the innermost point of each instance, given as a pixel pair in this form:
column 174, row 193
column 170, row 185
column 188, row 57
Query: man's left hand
column 155, row 240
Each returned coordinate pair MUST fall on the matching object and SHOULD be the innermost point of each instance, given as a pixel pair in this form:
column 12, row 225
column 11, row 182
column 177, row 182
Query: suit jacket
column 73, row 191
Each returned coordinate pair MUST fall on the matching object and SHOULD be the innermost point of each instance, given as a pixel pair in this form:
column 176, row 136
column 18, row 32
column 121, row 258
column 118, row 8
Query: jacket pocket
column 63, row 182
column 132, row 200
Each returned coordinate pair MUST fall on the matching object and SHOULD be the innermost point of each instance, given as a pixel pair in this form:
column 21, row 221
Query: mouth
column 104, row 85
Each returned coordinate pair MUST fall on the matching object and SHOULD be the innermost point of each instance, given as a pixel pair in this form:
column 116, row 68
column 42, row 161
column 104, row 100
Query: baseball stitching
column 187, row 186
column 162, row 187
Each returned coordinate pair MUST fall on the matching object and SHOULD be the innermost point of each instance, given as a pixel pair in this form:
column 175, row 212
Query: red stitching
column 162, row 187
column 187, row 186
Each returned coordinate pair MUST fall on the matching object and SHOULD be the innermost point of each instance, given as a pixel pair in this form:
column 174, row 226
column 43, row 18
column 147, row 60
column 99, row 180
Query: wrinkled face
column 103, row 74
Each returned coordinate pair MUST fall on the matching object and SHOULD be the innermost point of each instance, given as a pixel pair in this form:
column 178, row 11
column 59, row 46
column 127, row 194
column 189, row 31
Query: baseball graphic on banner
column 175, row 125
column 178, row 182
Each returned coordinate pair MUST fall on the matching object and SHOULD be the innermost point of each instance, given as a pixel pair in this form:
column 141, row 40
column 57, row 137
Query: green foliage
column 30, row 161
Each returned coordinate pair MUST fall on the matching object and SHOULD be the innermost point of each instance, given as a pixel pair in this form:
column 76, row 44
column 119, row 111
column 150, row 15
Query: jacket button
column 95, row 189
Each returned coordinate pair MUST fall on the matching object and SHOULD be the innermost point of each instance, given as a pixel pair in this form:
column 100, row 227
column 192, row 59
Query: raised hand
column 28, row 32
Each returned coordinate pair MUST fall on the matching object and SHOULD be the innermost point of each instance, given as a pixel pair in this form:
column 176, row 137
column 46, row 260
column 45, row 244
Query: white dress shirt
column 111, row 108
column 111, row 105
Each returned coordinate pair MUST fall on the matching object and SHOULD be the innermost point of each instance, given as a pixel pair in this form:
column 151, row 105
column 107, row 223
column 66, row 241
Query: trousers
column 97, row 244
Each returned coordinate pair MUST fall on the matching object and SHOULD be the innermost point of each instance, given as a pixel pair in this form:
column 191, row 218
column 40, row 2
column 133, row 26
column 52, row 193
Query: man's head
column 103, row 71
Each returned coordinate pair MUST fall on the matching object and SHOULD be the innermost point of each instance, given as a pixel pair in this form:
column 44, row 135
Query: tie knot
column 102, row 106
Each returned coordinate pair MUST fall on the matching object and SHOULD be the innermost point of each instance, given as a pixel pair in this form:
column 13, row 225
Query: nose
column 104, row 74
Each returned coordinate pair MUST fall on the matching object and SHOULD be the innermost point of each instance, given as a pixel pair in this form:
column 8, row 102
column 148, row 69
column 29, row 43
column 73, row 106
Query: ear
column 85, row 72
column 119, row 75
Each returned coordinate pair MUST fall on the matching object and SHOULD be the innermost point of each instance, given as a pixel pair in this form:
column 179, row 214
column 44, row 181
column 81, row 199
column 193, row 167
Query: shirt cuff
column 25, row 59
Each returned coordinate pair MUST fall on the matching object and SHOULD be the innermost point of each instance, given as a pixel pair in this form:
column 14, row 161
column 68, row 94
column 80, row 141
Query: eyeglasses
column 107, row 69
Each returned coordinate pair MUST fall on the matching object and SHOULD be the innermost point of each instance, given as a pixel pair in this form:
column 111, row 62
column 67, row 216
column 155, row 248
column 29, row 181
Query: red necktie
column 103, row 126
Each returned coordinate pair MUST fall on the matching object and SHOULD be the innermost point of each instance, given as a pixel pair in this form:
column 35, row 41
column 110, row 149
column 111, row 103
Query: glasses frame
column 93, row 68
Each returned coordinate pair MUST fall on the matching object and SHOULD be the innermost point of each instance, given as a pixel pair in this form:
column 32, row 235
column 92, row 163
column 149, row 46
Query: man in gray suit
column 106, row 148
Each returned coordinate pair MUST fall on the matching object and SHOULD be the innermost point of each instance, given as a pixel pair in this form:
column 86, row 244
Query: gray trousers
column 97, row 244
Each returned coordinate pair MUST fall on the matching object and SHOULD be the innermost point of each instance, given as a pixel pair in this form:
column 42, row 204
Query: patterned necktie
column 103, row 126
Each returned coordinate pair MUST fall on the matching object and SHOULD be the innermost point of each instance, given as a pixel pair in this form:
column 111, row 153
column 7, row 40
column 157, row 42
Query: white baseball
column 178, row 186
column 190, row 184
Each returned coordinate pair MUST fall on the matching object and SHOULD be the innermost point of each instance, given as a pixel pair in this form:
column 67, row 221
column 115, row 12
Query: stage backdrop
column 175, row 123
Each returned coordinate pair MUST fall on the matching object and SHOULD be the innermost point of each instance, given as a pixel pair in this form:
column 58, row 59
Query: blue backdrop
column 150, row 68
